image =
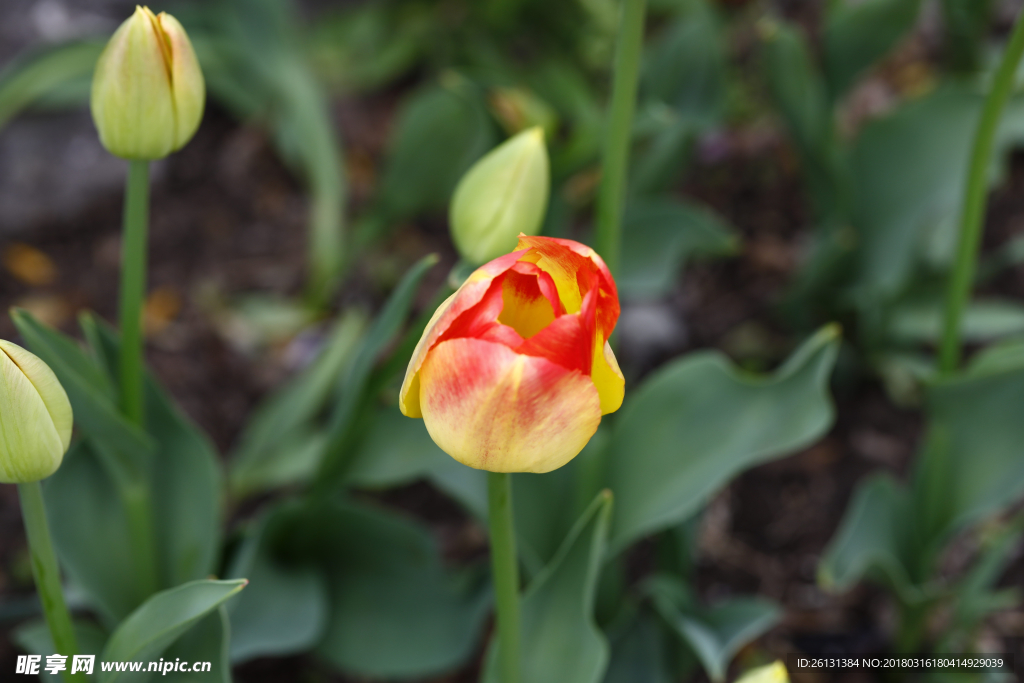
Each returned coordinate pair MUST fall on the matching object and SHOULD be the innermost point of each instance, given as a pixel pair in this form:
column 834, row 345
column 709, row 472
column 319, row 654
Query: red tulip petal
column 491, row 408
column 468, row 295
column 568, row 340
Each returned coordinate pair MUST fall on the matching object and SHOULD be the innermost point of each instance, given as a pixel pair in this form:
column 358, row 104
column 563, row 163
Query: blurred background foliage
column 866, row 107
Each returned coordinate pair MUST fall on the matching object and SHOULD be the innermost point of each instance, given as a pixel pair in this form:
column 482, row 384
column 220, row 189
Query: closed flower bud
column 514, row 370
column 35, row 417
column 148, row 91
column 504, row 194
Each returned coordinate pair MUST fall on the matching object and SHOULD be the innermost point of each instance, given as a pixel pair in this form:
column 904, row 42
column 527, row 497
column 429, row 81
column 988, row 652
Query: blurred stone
column 647, row 332
column 52, row 167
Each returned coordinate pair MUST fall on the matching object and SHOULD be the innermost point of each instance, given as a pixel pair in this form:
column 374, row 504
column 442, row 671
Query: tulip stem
column 133, row 287
column 973, row 211
column 505, row 568
column 612, row 196
column 47, row 574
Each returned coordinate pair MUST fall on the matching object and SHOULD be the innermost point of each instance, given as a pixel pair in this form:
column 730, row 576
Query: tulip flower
column 514, row 370
column 35, row 417
column 504, row 194
column 148, row 91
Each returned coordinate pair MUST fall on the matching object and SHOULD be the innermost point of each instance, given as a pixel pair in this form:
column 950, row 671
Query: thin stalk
column 136, row 501
column 973, row 212
column 133, row 288
column 47, row 574
column 614, row 166
column 134, row 253
column 505, row 567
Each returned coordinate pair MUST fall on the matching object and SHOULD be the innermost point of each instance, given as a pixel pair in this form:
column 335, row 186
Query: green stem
column 973, row 211
column 133, row 288
column 47, row 574
column 505, row 567
column 615, row 164
column 135, row 498
column 134, row 253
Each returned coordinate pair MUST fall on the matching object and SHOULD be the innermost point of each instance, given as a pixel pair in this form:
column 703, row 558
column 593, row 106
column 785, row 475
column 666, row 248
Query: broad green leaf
column 186, row 481
column 396, row 450
column 663, row 235
column 715, row 633
column 857, row 34
column 561, row 642
column 206, row 642
column 698, row 421
column 974, row 463
column 907, row 175
column 921, row 322
column 63, row 73
column 269, row 434
column 685, row 67
column 92, row 397
column 440, row 132
column 352, row 386
column 395, row 611
column 81, row 498
column 160, row 621
column 874, row 539
column 34, row 637
column 283, row 611
column 639, row 653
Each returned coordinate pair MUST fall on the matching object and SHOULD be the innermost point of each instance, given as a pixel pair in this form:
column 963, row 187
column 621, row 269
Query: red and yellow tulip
column 514, row 370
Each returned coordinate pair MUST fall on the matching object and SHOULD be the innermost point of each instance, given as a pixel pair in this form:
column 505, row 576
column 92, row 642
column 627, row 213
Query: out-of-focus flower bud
column 514, row 371
column 504, row 194
column 772, row 673
column 148, row 91
column 35, row 417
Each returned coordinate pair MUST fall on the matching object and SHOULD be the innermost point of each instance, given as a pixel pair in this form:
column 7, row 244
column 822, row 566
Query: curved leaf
column 698, row 421
column 160, row 621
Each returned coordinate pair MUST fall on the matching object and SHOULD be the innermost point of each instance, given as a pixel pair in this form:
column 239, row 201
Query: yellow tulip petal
column 607, row 377
column 491, row 408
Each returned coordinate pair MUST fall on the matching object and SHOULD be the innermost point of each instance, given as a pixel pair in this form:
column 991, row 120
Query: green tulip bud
column 148, row 91
column 35, row 417
column 504, row 194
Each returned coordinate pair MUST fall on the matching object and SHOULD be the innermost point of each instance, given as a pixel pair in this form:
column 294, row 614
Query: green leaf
column 874, row 539
column 353, row 385
column 186, row 481
column 34, row 637
column 561, row 642
column 907, row 174
column 63, row 73
column 972, row 467
column 440, row 132
column 396, row 450
column 697, row 422
column 270, row 434
column 92, row 397
column 857, row 34
column 160, row 621
column 639, row 653
column 395, row 611
column 663, row 235
column 966, row 23
column 284, row 609
column 686, row 66
column 716, row 633
column 799, row 93
column 80, row 498
column 207, row 641
column 921, row 321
